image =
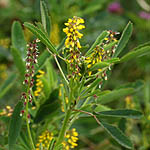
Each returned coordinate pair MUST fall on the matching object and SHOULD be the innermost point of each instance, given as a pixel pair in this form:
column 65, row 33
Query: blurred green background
column 99, row 15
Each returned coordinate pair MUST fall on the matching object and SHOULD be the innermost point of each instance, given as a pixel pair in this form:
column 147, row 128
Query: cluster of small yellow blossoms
column 100, row 54
column 44, row 140
column 95, row 57
column 39, row 83
column 72, row 31
column 72, row 42
column 71, row 139
column 6, row 111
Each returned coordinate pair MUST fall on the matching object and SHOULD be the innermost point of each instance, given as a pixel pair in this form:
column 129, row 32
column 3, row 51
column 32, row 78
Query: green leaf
column 124, row 113
column 133, row 54
column 42, row 36
column 117, row 135
column 141, row 46
column 45, row 17
column 112, row 60
column 15, row 126
column 52, row 98
column 19, row 147
column 49, row 107
column 87, row 107
column 46, row 111
column 18, row 61
column 23, row 139
column 124, row 39
column 61, row 45
column 98, row 41
column 100, row 107
column 114, row 95
column 51, row 75
column 110, row 45
column 122, row 124
column 99, row 65
column 51, row 147
column 42, row 59
column 18, row 40
column 7, row 84
column 95, row 83
column 137, row 85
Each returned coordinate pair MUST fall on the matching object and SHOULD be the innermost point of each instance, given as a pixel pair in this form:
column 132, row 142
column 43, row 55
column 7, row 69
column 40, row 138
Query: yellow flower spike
column 72, row 31
column 71, row 140
column 44, row 140
column 39, row 83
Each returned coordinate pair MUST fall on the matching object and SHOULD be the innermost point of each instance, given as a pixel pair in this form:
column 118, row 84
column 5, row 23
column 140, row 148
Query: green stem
column 76, row 115
column 61, row 69
column 54, row 55
column 66, row 120
column 64, row 127
column 28, row 127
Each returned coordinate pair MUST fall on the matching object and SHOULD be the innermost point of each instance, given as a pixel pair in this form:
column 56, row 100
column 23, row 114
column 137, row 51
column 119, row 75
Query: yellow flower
column 71, row 139
column 72, row 31
column 44, row 140
column 39, row 83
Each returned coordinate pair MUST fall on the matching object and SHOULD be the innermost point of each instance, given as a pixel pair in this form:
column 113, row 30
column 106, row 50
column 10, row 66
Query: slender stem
column 88, row 113
column 28, row 127
column 64, row 127
column 66, row 120
column 58, row 65
column 61, row 69
column 61, row 58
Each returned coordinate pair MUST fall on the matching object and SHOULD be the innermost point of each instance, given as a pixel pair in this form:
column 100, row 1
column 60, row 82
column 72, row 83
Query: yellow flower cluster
column 6, row 111
column 44, row 140
column 100, row 54
column 72, row 32
column 71, row 139
column 95, row 57
column 39, row 84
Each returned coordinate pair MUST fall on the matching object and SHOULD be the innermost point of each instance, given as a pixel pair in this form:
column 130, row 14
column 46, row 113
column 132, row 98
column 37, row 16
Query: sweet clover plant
column 52, row 101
